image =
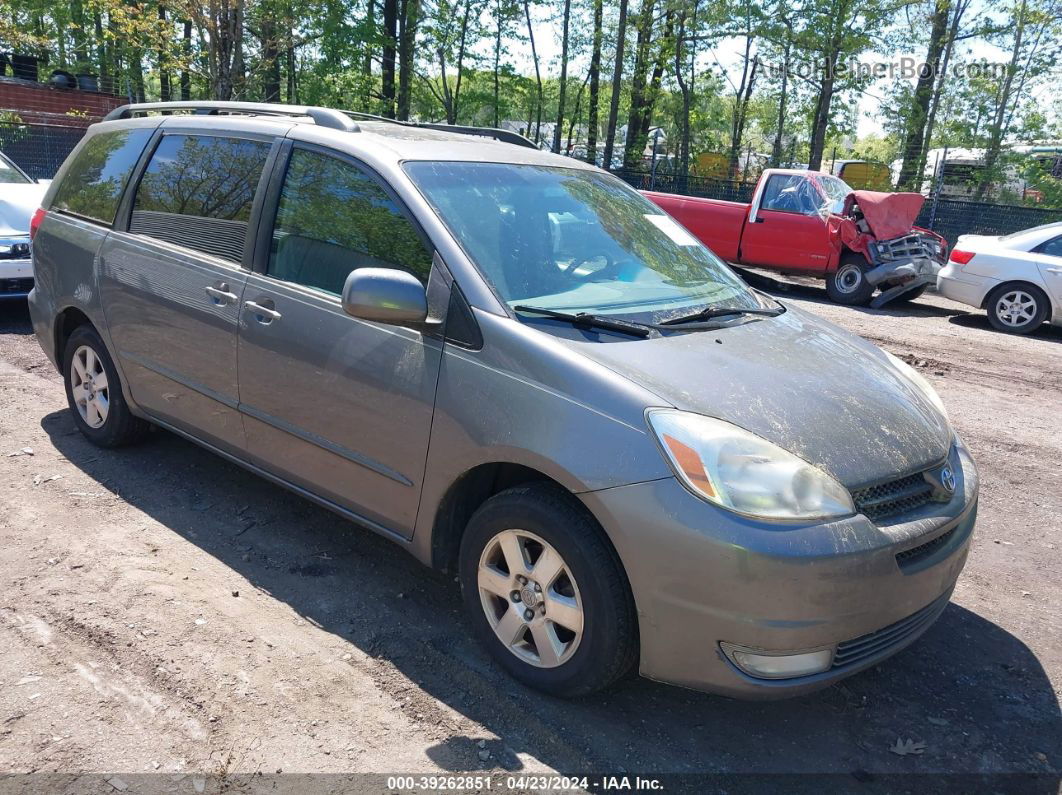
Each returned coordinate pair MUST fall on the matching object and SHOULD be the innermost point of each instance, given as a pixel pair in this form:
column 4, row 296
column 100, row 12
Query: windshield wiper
column 710, row 312
column 583, row 320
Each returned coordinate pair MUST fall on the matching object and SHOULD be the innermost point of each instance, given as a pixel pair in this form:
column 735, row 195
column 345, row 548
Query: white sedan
column 20, row 196
column 1017, row 277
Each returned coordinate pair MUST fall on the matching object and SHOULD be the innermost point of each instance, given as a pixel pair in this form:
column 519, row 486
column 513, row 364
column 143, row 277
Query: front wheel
column 848, row 284
column 1017, row 308
column 546, row 593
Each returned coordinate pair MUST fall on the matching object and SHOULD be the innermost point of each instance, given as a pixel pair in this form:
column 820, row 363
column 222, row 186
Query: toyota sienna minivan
column 518, row 368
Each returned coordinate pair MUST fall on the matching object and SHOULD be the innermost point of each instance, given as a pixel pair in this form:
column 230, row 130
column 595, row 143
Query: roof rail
column 324, row 117
column 505, row 136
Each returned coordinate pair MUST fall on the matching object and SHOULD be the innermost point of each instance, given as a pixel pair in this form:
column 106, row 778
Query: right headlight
column 742, row 472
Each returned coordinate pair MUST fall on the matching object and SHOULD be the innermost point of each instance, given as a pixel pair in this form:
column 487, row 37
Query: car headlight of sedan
column 919, row 381
column 742, row 472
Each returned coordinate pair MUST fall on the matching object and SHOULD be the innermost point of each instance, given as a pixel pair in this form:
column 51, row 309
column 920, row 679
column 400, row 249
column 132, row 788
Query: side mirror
column 385, row 295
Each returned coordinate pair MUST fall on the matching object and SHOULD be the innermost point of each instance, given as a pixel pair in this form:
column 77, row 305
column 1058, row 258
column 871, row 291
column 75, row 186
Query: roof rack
column 324, row 117
column 505, row 136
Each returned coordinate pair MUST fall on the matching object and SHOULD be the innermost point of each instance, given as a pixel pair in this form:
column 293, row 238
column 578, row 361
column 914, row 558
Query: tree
column 563, row 77
column 594, row 77
column 918, row 114
column 617, row 86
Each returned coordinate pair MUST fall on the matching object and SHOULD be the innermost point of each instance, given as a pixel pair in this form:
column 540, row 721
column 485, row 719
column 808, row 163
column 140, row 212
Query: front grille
column 15, row 286
column 895, row 497
column 913, row 246
column 911, row 556
column 873, row 644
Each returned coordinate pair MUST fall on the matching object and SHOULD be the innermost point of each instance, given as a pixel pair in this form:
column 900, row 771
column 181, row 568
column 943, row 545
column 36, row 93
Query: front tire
column 546, row 593
column 1017, row 308
column 848, row 284
column 94, row 392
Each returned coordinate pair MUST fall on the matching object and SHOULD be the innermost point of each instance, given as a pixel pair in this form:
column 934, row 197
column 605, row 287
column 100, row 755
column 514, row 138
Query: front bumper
column 702, row 577
column 16, row 278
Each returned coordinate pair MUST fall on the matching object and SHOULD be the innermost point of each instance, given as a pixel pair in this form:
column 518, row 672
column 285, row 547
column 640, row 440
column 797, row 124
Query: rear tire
column 1017, row 308
column 546, row 593
column 94, row 392
column 848, row 284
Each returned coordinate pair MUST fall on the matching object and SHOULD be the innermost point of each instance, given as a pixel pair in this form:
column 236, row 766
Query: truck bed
column 716, row 223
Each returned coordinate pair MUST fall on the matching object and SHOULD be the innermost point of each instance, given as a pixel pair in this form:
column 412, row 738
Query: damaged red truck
column 813, row 224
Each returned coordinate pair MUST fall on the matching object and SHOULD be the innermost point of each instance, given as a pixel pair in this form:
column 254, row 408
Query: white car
column 20, row 196
column 1017, row 277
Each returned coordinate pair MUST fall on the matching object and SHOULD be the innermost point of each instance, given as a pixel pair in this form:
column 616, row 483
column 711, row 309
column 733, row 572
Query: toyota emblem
column 947, row 479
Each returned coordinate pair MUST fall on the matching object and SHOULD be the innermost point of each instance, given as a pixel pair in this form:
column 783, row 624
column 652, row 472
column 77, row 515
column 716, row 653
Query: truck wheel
column 545, row 592
column 1017, row 308
column 94, row 392
column 848, row 284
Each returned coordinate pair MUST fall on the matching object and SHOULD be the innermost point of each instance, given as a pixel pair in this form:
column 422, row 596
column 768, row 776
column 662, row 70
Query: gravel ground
column 162, row 610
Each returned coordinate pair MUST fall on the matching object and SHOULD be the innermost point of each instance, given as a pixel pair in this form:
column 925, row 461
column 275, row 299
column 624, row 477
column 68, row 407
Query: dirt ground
column 163, row 610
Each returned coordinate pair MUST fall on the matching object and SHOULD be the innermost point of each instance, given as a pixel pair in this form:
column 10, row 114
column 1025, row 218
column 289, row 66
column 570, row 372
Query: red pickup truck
column 813, row 224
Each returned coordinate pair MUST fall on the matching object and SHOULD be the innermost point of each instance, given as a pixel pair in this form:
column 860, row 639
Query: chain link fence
column 39, row 149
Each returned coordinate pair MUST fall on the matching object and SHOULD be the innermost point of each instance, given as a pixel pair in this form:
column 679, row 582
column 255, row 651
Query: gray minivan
column 521, row 370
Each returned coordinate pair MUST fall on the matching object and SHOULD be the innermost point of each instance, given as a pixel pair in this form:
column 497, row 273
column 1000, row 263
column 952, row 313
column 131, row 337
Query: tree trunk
column 103, row 57
column 914, row 141
column 632, row 152
column 684, row 87
column 776, row 148
column 407, row 37
column 538, row 72
column 563, row 78
column 271, row 60
column 595, row 86
column 455, row 105
column 741, row 109
column 500, row 19
column 997, row 129
column 186, row 53
column 953, row 32
column 366, row 61
column 617, row 86
column 390, row 22
column 164, row 73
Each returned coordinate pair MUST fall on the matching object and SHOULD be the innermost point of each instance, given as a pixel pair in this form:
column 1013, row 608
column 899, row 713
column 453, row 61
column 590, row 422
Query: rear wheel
column 545, row 592
column 848, row 284
column 94, row 392
column 1017, row 308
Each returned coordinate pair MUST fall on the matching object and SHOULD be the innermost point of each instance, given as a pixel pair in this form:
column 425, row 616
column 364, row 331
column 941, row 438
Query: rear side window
column 197, row 192
column 1053, row 247
column 93, row 184
column 333, row 218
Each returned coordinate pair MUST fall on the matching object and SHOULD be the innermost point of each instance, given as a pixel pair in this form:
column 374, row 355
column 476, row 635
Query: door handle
column 221, row 294
column 1054, row 270
column 265, row 314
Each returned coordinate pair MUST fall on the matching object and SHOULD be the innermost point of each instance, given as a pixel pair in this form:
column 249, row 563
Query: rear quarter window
column 92, row 186
column 197, row 192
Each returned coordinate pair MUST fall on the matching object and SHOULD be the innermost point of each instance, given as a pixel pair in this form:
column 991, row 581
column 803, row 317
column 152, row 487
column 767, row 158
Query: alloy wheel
column 530, row 598
column 1016, row 308
column 88, row 385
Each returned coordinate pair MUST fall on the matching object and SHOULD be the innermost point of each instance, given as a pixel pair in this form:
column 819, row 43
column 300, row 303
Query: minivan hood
column 17, row 205
column 798, row 381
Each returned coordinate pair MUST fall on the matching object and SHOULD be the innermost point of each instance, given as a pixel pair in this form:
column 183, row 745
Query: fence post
column 938, row 178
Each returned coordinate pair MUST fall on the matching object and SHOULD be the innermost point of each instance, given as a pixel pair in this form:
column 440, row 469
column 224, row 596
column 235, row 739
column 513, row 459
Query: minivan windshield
column 576, row 240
